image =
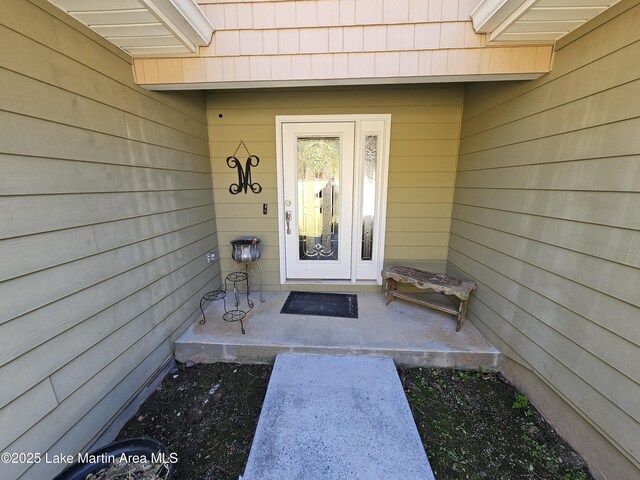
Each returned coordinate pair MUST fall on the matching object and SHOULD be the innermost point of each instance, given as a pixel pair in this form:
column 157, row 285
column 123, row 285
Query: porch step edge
column 209, row 352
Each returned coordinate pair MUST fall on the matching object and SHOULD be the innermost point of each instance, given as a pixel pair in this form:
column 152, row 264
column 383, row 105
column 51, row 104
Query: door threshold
column 331, row 286
column 329, row 282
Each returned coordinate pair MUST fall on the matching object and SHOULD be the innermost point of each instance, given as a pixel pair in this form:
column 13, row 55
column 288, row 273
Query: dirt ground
column 473, row 425
column 207, row 414
column 476, row 426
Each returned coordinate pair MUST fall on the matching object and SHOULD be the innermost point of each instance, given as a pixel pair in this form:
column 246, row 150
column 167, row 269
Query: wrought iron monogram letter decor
column 244, row 175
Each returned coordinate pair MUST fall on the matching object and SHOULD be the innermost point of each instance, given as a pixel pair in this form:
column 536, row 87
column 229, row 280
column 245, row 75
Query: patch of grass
column 521, row 402
column 580, row 475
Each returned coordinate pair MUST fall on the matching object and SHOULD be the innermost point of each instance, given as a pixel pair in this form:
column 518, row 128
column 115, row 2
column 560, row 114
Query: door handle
column 287, row 216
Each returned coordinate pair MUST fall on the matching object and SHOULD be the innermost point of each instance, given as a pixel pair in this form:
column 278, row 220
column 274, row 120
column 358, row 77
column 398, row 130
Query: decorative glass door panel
column 318, row 183
column 318, row 197
column 370, row 161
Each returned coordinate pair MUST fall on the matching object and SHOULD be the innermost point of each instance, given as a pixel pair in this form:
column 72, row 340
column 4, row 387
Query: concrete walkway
column 336, row 417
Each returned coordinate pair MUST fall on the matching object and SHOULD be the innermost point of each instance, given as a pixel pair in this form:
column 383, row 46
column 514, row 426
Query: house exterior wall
column 425, row 126
column 317, row 42
column 105, row 216
column 546, row 220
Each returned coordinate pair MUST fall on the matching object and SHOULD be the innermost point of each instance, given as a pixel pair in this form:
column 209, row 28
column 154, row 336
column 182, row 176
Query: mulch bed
column 473, row 424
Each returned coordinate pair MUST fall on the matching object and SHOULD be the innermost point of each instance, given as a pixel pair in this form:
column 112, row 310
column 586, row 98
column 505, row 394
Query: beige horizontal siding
column 616, row 209
column 20, row 255
column 545, row 218
column 25, row 49
column 106, row 214
column 597, row 174
column 424, row 142
column 57, row 212
column 602, row 241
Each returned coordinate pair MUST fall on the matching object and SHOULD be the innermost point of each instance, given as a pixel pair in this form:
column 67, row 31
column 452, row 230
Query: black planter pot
column 146, row 447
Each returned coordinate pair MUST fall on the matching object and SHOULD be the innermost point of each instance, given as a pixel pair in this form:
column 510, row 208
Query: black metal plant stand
column 243, row 251
column 212, row 297
column 237, row 314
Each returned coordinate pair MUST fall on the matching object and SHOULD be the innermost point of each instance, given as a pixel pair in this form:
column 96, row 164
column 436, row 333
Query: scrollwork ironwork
column 319, row 251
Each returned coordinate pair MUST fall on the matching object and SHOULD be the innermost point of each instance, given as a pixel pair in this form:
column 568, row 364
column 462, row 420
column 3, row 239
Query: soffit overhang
column 144, row 28
column 274, row 43
column 533, row 21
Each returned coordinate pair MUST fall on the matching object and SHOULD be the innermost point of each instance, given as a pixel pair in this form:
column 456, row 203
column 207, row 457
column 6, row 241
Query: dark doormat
column 322, row 304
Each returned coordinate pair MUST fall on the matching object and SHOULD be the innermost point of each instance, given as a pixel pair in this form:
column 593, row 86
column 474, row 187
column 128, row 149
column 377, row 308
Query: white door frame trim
column 383, row 183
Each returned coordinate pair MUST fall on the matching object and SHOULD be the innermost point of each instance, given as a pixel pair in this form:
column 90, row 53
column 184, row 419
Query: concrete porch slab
column 410, row 334
column 336, row 417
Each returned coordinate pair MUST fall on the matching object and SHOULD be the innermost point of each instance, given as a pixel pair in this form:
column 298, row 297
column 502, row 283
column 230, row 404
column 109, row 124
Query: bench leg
column 390, row 286
column 462, row 312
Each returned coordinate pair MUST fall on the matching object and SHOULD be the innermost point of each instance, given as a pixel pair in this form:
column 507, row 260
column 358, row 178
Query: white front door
column 332, row 193
column 318, row 163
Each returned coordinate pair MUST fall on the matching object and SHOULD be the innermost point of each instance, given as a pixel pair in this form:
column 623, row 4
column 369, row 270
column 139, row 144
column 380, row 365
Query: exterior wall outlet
column 211, row 257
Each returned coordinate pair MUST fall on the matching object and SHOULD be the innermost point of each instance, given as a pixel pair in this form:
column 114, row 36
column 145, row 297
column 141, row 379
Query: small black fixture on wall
column 244, row 174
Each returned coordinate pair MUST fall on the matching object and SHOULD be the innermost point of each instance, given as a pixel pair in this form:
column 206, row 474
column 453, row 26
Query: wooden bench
column 457, row 291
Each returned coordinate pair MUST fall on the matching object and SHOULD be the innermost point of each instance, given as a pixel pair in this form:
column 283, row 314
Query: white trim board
column 234, row 85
